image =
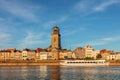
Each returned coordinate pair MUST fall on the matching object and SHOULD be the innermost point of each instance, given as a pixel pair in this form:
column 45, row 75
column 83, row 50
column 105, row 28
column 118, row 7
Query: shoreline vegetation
column 41, row 63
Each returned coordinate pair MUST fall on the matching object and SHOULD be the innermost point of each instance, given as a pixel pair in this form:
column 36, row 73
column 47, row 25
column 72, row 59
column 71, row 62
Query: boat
column 84, row 62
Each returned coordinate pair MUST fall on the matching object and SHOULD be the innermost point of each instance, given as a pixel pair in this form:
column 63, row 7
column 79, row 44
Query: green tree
column 88, row 58
column 99, row 56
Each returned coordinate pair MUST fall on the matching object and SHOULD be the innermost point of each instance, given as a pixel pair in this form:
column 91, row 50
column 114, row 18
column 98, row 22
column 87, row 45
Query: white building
column 28, row 54
column 88, row 51
column 95, row 53
column 44, row 55
column 118, row 56
column 113, row 57
column 24, row 55
column 73, row 55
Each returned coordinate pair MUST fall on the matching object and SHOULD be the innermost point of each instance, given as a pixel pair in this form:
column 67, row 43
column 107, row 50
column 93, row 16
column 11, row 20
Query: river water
column 60, row 73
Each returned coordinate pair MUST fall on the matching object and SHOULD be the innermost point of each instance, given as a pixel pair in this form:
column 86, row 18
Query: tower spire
column 56, row 42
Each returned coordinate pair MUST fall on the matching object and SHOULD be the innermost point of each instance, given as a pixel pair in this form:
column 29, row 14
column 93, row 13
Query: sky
column 29, row 23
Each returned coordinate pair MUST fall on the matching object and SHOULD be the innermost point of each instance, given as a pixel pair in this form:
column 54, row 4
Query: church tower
column 56, row 43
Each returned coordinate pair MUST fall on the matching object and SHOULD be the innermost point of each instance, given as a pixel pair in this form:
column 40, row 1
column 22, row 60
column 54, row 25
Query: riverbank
column 42, row 63
column 114, row 64
column 29, row 64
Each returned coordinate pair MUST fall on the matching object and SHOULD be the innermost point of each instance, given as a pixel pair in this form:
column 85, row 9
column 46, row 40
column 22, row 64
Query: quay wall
column 114, row 64
column 29, row 64
column 43, row 63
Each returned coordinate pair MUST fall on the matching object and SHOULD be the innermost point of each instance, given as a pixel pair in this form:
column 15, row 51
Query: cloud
column 88, row 6
column 103, row 41
column 52, row 23
column 83, row 6
column 32, row 39
column 100, row 42
column 108, row 39
column 4, row 36
column 105, row 5
column 20, row 10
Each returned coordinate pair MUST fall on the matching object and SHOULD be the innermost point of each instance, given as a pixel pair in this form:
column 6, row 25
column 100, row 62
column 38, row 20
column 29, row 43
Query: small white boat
column 84, row 62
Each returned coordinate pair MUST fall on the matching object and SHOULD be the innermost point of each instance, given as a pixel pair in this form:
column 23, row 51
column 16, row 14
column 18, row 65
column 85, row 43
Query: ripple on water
column 60, row 73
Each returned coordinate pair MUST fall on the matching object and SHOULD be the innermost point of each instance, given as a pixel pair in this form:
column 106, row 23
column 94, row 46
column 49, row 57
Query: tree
column 89, row 58
column 99, row 56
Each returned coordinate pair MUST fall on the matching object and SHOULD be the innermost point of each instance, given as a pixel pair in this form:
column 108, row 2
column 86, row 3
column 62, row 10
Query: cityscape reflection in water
column 60, row 73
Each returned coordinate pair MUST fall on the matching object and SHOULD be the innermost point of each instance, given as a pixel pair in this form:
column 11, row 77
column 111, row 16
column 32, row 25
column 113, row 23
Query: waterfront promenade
column 30, row 63
column 41, row 63
column 114, row 63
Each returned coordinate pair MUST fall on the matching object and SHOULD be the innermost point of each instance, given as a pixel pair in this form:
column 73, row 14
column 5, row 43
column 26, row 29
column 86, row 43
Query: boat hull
column 84, row 63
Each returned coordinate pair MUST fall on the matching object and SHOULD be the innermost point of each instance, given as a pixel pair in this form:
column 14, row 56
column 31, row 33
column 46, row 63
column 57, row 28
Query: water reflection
column 59, row 73
column 42, row 72
column 54, row 72
column 90, row 73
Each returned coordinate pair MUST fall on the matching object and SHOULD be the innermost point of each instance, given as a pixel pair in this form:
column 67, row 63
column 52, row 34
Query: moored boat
column 84, row 62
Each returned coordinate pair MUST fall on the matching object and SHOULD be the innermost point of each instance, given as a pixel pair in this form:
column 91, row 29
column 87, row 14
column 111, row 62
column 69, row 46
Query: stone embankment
column 115, row 64
column 41, row 63
column 31, row 63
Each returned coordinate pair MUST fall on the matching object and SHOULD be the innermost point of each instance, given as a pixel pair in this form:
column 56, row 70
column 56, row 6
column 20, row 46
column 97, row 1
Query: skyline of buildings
column 56, row 52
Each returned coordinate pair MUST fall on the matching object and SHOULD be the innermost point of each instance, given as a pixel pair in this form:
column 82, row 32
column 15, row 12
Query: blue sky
column 28, row 23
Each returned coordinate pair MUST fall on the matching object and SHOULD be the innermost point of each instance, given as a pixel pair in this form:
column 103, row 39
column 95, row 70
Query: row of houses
column 89, row 52
column 27, row 54
column 55, row 54
column 38, row 54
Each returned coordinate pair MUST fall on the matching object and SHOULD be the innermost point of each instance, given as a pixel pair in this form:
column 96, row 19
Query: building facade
column 80, row 53
column 88, row 51
column 44, row 55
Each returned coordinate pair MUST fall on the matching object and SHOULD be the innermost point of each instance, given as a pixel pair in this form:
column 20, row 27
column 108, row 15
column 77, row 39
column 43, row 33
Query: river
column 60, row 73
